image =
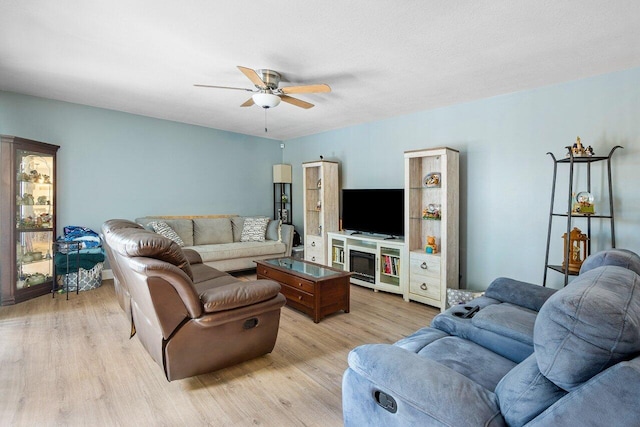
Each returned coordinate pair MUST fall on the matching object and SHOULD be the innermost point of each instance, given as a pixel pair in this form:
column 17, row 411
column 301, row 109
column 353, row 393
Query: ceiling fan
column 267, row 94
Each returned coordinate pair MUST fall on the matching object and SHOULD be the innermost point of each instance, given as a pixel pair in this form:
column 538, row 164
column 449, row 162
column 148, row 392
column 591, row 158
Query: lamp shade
column 266, row 100
column 282, row 173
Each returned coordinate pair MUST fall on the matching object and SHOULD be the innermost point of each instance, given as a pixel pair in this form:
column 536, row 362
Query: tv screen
column 376, row 211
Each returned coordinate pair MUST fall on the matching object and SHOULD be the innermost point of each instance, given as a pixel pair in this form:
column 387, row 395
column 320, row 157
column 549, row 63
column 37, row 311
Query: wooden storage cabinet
column 432, row 209
column 314, row 249
column 27, row 218
column 424, row 274
column 390, row 260
column 320, row 206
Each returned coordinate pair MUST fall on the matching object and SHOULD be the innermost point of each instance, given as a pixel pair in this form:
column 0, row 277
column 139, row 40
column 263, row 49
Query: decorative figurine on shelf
column 42, row 200
column 432, row 211
column 34, row 175
column 578, row 150
column 432, row 180
column 284, row 198
column 27, row 199
column 46, row 179
column 583, row 204
column 576, row 244
column 431, row 247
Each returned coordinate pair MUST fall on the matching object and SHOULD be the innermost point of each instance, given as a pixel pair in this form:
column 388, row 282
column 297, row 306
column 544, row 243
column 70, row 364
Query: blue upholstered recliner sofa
column 528, row 356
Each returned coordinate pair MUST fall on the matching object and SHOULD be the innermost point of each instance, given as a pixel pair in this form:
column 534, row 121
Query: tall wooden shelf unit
column 573, row 163
column 27, row 218
column 432, row 209
column 321, row 207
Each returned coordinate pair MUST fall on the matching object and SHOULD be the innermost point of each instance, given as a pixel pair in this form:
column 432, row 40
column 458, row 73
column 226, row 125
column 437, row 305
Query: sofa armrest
column 519, row 293
column 610, row 398
column 426, row 392
column 286, row 233
column 238, row 294
column 192, row 256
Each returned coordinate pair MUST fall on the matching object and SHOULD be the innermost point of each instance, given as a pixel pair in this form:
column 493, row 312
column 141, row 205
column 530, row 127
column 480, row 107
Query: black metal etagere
column 282, row 206
column 572, row 160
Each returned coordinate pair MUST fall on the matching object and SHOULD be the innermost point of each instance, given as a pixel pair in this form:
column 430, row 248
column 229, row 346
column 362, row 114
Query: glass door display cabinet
column 27, row 218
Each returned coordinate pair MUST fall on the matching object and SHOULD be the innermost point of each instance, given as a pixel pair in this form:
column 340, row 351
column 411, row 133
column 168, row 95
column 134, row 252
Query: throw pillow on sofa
column 274, row 230
column 163, row 229
column 254, row 229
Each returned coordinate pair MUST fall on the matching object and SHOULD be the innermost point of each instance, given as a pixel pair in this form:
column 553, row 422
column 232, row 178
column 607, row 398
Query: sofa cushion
column 204, row 273
column 274, row 230
column 237, row 294
column 239, row 250
column 507, row 320
column 237, row 224
column 163, row 229
column 491, row 328
column 183, row 227
column 465, row 357
column 211, row 231
column 524, row 393
column 588, row 326
column 254, row 229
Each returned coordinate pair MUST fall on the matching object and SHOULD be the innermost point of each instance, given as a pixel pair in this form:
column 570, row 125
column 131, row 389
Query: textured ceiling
column 381, row 58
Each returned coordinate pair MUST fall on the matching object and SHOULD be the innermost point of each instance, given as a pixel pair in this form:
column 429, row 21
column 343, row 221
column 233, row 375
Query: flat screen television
column 376, row 211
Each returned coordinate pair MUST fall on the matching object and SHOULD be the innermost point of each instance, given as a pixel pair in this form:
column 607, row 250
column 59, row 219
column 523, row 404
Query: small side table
column 297, row 252
column 64, row 248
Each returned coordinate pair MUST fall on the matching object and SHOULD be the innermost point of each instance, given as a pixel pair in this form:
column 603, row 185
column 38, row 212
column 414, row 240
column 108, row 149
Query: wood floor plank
column 72, row 363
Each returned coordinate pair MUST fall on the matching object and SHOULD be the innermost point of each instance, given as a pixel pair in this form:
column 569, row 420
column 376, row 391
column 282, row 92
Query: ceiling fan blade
column 297, row 102
column 321, row 88
column 248, row 103
column 253, row 76
column 226, row 87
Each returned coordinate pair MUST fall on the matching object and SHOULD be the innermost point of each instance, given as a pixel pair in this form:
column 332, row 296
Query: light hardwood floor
column 72, row 363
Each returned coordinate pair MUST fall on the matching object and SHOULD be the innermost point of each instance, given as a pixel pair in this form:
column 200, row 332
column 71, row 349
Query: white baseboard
column 107, row 274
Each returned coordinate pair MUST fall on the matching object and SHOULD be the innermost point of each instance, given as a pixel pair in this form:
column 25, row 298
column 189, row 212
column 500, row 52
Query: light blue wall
column 118, row 165
column 505, row 173
column 114, row 164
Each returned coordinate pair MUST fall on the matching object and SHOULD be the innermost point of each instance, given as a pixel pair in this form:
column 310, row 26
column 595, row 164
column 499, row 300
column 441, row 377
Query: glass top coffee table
column 314, row 289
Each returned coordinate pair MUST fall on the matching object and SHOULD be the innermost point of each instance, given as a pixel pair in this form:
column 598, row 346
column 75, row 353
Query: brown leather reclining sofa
column 191, row 318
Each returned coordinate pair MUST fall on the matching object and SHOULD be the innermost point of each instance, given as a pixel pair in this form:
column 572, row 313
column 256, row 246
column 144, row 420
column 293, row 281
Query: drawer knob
column 313, row 244
column 423, row 286
column 423, row 266
column 299, row 298
column 299, row 284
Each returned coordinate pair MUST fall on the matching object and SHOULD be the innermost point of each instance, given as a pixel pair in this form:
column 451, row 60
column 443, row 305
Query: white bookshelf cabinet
column 432, row 209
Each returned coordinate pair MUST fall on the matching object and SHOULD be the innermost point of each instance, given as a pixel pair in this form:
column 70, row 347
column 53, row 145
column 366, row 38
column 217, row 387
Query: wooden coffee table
column 311, row 288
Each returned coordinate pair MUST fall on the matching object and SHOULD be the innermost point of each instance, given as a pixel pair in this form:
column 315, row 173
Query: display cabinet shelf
column 320, row 207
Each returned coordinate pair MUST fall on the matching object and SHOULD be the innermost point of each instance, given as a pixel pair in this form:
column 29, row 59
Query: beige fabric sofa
column 216, row 238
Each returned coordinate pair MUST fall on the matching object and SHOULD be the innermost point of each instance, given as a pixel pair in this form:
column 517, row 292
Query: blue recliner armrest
column 415, row 391
column 524, row 294
column 610, row 398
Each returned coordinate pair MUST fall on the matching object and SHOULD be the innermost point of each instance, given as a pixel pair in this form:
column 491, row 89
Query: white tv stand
column 389, row 255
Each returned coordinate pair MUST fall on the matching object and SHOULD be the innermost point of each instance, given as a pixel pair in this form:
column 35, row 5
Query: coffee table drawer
column 296, row 295
column 287, row 279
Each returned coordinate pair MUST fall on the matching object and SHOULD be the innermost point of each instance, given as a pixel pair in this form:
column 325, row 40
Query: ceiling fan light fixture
column 266, row 100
